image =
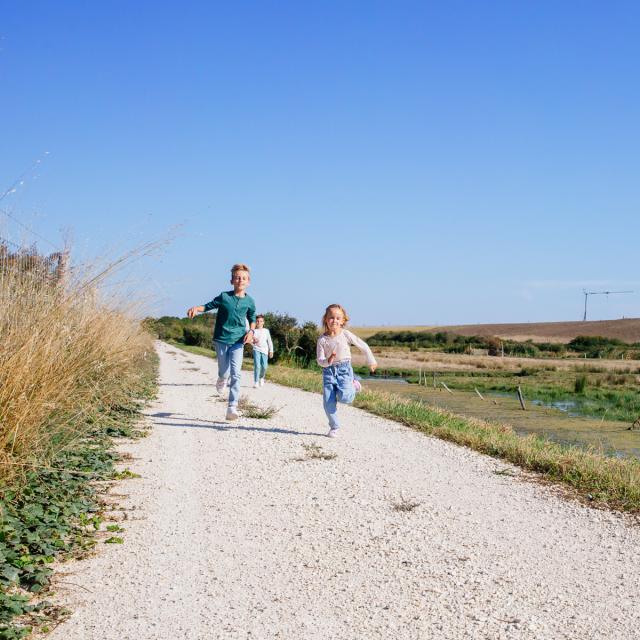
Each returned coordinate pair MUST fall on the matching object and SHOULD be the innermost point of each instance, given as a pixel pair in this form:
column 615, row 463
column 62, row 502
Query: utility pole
column 596, row 293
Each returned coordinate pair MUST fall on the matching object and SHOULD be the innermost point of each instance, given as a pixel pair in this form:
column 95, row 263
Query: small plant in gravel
column 314, row 451
column 113, row 528
column 405, row 505
column 125, row 475
column 251, row 410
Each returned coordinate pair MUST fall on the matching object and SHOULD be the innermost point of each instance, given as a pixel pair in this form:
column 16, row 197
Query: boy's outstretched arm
column 194, row 310
column 214, row 304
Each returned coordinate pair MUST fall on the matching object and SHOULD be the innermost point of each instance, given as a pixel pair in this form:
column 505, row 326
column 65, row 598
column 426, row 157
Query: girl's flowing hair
column 328, row 310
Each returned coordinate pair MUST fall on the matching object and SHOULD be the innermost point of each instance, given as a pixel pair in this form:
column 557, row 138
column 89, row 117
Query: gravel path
column 234, row 532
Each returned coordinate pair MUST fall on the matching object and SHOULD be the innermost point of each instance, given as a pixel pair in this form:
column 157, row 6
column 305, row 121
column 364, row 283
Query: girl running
column 334, row 356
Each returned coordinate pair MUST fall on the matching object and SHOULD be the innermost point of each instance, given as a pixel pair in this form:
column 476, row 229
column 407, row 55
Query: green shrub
column 197, row 335
column 291, row 340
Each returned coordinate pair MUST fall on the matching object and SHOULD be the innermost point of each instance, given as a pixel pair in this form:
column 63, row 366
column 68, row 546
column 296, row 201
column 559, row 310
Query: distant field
column 627, row 330
column 366, row 332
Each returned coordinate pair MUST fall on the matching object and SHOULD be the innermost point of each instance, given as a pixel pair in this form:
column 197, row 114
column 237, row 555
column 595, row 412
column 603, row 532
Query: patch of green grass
column 608, row 482
column 616, row 395
column 124, row 475
column 200, row 351
column 113, row 528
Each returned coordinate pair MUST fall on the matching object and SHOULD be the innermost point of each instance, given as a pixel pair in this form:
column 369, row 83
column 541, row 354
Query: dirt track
column 236, row 531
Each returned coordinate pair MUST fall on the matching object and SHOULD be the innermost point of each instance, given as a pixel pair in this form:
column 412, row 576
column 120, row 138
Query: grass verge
column 602, row 481
column 75, row 363
column 200, row 351
column 56, row 509
column 593, row 392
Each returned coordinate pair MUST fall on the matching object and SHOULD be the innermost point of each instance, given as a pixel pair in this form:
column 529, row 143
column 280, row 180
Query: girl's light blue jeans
column 259, row 365
column 230, row 363
column 337, row 386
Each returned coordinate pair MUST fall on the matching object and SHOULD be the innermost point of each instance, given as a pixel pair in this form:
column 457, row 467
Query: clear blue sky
column 418, row 162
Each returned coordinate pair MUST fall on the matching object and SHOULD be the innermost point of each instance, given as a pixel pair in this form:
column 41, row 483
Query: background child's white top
column 340, row 344
column 262, row 341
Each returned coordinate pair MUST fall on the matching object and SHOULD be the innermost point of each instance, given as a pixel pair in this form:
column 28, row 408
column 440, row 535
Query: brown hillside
column 627, row 330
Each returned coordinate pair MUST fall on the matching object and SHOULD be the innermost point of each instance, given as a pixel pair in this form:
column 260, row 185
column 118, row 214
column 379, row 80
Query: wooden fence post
column 521, row 398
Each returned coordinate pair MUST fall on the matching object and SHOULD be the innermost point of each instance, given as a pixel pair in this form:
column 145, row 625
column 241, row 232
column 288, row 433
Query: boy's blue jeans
column 230, row 359
column 337, row 386
column 259, row 365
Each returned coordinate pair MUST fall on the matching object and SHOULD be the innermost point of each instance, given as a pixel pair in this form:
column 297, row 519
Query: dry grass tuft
column 65, row 354
column 251, row 410
column 405, row 505
column 314, row 451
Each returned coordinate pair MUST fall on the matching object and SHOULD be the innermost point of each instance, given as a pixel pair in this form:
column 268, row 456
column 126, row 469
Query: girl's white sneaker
column 256, row 385
column 333, row 433
column 232, row 414
column 262, row 382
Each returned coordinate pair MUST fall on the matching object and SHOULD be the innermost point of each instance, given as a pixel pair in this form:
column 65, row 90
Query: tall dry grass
column 65, row 354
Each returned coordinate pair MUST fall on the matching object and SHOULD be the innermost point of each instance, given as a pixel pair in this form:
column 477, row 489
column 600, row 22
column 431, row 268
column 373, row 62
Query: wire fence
column 20, row 263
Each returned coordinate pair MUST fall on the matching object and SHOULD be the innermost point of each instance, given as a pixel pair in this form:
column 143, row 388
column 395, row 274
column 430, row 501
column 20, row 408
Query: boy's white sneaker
column 256, row 385
column 333, row 433
column 232, row 414
column 262, row 382
column 220, row 382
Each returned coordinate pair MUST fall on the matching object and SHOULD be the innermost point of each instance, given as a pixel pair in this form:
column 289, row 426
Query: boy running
column 234, row 309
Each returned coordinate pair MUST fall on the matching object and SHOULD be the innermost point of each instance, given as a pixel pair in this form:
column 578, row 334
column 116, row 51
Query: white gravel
column 231, row 536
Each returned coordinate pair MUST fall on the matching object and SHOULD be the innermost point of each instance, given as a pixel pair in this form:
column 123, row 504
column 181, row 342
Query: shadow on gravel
column 194, row 423
column 186, row 384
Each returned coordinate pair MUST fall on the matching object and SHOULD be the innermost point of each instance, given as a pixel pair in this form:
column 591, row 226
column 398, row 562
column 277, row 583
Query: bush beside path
column 265, row 528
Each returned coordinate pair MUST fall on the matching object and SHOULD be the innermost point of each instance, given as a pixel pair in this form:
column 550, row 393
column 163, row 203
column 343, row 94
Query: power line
column 596, row 293
column 31, row 231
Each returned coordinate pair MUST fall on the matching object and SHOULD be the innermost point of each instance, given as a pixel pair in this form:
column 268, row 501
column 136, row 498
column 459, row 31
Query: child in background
column 235, row 308
column 334, row 356
column 262, row 351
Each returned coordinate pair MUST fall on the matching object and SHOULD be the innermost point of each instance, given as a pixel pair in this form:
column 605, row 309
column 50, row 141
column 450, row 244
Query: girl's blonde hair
column 328, row 310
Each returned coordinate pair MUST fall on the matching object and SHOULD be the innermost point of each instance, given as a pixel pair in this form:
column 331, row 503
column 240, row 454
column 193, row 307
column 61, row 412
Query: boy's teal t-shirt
column 233, row 312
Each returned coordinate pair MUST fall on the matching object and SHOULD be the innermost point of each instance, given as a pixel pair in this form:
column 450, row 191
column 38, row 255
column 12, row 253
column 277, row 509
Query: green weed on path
column 251, row 410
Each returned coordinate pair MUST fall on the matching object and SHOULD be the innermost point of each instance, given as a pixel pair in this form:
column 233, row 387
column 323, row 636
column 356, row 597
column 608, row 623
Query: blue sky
column 418, row 162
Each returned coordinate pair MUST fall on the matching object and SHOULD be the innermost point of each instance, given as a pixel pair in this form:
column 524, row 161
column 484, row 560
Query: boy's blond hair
column 325, row 326
column 240, row 267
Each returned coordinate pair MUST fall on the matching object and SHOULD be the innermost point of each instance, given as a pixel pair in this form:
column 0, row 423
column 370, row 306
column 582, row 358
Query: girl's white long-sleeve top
column 262, row 341
column 340, row 345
